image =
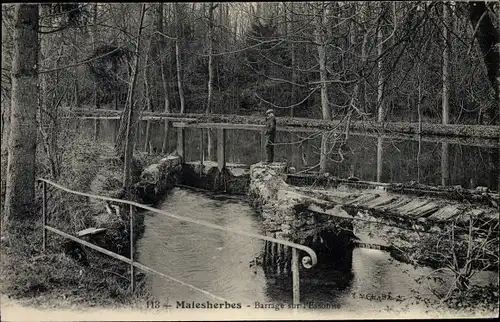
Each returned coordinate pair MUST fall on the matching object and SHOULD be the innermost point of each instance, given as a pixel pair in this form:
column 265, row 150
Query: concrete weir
column 286, row 216
column 231, row 179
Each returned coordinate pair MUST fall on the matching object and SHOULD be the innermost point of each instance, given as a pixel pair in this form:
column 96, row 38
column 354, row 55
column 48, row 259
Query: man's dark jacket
column 271, row 126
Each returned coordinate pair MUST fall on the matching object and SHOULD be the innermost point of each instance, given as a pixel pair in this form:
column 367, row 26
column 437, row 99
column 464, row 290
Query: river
column 402, row 160
column 219, row 262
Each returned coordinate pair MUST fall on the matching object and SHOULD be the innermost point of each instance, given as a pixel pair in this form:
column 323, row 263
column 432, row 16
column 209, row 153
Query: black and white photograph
column 180, row 161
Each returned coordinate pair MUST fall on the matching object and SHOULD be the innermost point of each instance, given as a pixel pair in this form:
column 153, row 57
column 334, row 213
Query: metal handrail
column 313, row 258
column 307, row 261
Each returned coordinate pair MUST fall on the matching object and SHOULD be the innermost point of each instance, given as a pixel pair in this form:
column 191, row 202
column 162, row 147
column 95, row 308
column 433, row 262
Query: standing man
column 270, row 134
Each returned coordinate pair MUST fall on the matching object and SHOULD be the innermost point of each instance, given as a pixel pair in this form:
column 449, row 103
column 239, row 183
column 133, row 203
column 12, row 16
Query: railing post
column 380, row 158
column 262, row 146
column 181, row 148
column 132, row 275
column 221, row 148
column 202, row 152
column 295, row 277
column 44, row 215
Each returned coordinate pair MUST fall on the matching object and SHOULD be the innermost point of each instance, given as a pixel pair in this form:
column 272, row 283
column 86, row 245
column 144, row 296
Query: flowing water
column 219, row 262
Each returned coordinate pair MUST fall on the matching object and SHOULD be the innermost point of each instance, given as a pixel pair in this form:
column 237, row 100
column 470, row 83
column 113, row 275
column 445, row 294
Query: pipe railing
column 307, row 261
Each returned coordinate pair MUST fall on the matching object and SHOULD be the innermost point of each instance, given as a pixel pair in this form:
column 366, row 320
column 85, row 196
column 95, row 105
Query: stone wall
column 157, row 178
column 150, row 186
column 286, row 216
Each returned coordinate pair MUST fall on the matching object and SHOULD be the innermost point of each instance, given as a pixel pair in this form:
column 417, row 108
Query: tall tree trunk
column 95, row 36
column 166, row 101
column 132, row 114
column 419, row 101
column 363, row 84
column 294, row 150
column 445, row 164
column 116, row 94
column 380, row 64
column 293, row 55
column 178, row 56
column 380, row 94
column 5, row 109
column 320, row 40
column 48, row 122
column 161, row 52
column 20, row 182
column 74, row 53
column 148, row 104
column 211, row 8
column 446, row 58
column 151, row 75
column 325, row 106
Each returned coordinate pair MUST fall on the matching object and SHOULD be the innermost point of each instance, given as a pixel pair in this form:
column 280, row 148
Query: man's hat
column 269, row 111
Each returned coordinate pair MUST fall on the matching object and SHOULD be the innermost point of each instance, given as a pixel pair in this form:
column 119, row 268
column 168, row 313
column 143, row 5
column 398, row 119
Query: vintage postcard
column 250, row 160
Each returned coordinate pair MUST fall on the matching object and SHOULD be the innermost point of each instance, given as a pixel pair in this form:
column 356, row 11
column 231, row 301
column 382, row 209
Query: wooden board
column 380, row 201
column 90, row 231
column 411, row 206
column 361, row 199
column 395, row 204
column 447, row 212
column 424, row 210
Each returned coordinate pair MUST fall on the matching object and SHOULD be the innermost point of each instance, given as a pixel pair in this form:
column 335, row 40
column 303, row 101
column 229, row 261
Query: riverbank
column 55, row 280
column 61, row 277
column 451, row 256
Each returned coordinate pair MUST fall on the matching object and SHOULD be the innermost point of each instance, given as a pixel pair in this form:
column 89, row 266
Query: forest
column 425, row 62
column 385, row 60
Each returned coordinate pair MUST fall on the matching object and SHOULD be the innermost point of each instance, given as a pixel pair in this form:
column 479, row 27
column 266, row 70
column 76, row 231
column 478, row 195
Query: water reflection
column 368, row 158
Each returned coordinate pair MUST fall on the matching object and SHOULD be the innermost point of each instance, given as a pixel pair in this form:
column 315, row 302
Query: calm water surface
column 219, row 263
column 468, row 166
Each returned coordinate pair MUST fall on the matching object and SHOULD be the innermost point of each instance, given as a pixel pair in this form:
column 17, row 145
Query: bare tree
column 380, row 51
column 95, row 36
column 20, row 186
column 211, row 8
column 163, row 61
column 322, row 15
column 445, row 168
column 380, row 91
column 446, row 62
column 132, row 113
column 178, row 55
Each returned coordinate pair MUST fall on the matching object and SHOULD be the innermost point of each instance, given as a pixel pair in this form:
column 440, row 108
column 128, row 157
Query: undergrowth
column 54, row 277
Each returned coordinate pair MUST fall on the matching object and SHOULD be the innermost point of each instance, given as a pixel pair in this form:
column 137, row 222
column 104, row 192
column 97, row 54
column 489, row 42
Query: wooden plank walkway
column 402, row 208
column 314, row 180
